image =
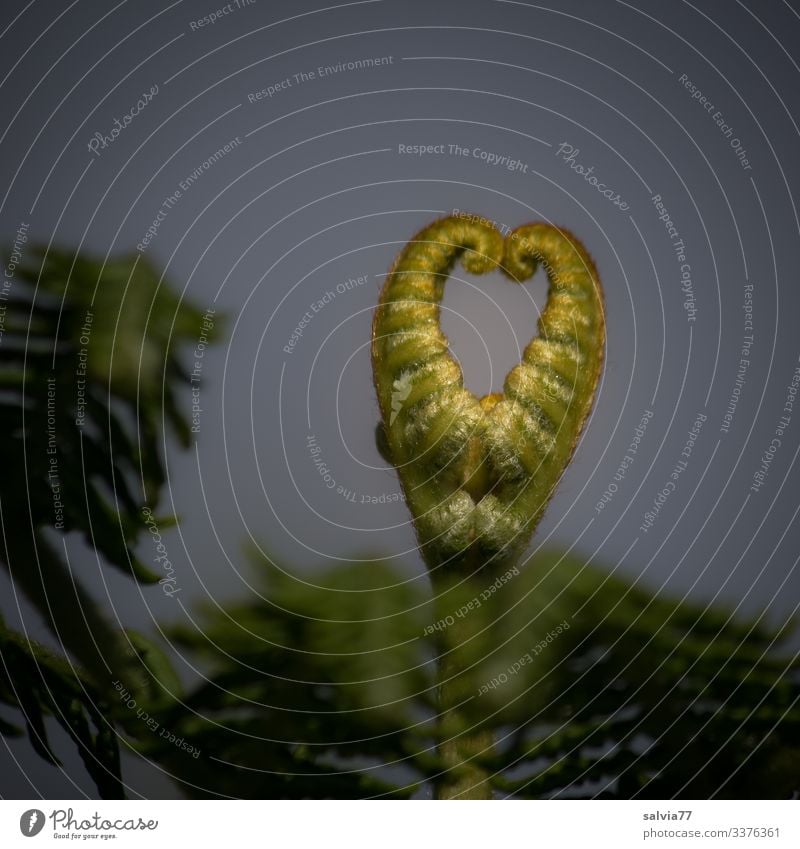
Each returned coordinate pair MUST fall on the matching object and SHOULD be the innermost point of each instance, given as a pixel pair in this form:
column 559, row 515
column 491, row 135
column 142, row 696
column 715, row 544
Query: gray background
column 317, row 193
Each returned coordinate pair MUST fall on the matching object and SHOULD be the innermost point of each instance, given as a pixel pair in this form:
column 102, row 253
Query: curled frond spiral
column 478, row 473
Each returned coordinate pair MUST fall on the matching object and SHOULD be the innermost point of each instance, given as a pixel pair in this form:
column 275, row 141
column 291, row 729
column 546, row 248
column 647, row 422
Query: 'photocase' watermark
column 168, row 582
column 100, row 141
column 569, row 155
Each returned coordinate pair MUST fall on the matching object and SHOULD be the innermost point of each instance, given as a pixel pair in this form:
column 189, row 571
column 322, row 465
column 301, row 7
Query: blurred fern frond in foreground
column 89, row 371
column 330, row 691
column 38, row 683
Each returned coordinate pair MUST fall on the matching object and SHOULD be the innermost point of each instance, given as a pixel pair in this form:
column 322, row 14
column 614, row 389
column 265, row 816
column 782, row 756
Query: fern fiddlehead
column 478, row 473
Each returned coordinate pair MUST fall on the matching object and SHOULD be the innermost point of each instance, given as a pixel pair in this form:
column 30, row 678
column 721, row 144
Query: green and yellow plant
column 478, row 473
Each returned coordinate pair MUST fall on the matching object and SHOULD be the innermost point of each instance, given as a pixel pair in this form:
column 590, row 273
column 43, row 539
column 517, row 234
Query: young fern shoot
column 478, row 472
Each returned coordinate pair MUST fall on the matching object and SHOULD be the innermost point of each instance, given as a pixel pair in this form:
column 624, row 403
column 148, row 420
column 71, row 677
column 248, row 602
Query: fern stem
column 462, row 742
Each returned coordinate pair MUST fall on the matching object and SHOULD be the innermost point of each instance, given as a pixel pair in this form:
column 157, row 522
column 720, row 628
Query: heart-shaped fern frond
column 478, row 473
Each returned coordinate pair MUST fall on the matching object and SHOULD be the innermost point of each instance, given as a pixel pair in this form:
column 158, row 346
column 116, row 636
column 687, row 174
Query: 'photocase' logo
column 31, row 822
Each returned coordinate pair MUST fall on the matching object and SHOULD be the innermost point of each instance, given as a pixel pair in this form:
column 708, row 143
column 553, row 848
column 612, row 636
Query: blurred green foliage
column 89, row 374
column 329, row 690
column 38, row 684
